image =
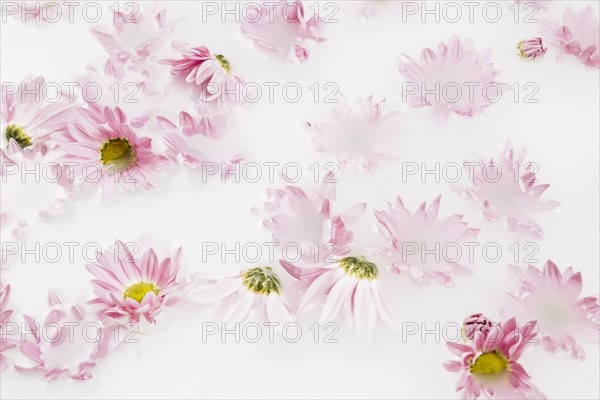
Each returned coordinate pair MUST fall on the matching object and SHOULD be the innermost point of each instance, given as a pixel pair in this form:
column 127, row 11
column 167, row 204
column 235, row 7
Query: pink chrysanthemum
column 455, row 79
column 507, row 190
column 132, row 288
column 476, row 323
column 531, row 49
column 553, row 299
column 489, row 366
column 6, row 342
column 360, row 134
column 69, row 343
column 210, row 74
column 252, row 295
column 351, row 286
column 578, row 36
column 282, row 28
column 101, row 148
column 27, row 117
column 412, row 236
column 305, row 218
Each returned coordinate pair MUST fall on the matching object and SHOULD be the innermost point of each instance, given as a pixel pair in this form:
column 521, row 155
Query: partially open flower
column 531, row 48
column 476, row 323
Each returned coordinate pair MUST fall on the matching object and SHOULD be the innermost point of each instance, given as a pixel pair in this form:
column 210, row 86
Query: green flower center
column 17, row 133
column 359, row 267
column 223, row 62
column 139, row 290
column 261, row 280
column 118, row 153
column 489, row 363
column 520, row 49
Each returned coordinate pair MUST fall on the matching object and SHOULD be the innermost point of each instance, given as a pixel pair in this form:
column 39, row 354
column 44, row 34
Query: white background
column 561, row 133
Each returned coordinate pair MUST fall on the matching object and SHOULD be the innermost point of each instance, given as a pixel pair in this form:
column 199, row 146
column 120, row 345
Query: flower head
column 531, row 48
column 476, row 323
column 554, row 300
column 411, row 235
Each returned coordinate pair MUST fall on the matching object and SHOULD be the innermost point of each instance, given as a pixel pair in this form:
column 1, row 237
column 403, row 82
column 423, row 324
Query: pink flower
column 6, row 342
column 351, row 286
column 553, row 299
column 305, row 218
column 411, row 236
column 455, row 79
column 134, row 288
column 252, row 295
column 507, row 190
column 489, row 366
column 531, row 48
column 101, row 148
column 578, row 36
column 26, row 115
column 210, row 74
column 70, row 342
column 360, row 134
column 476, row 323
column 282, row 28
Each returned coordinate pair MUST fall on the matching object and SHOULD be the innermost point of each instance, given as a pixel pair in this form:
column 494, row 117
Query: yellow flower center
column 489, row 363
column 359, row 267
column 118, row 153
column 261, row 280
column 138, row 291
column 17, row 133
column 223, row 62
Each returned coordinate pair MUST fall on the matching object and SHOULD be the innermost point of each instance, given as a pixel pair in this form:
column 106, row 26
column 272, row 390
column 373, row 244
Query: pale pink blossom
column 282, row 28
column 490, row 365
column 411, row 235
column 531, row 48
column 476, row 323
column 134, row 288
column 360, row 133
column 6, row 342
column 552, row 298
column 251, row 295
column 454, row 79
column 507, row 190
column 578, row 36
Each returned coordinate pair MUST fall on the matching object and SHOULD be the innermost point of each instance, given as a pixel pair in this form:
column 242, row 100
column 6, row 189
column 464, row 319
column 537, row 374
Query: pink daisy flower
column 477, row 323
column 27, row 117
column 101, row 148
column 490, row 365
column 252, row 295
column 578, row 36
column 454, row 79
column 211, row 75
column 282, row 29
column 126, row 287
column 412, row 235
column 531, row 49
column 6, row 342
column 507, row 190
column 350, row 286
column 305, row 218
column 69, row 343
column 564, row 318
column 360, row 134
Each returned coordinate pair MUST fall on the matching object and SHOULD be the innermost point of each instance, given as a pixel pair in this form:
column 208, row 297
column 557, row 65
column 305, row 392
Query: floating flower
column 282, row 28
column 476, row 323
column 578, row 36
column 253, row 295
column 531, row 48
column 553, row 299
column 359, row 134
column 349, row 285
column 455, row 79
column 490, row 365
column 412, row 238
column 6, row 342
column 69, row 343
column 126, row 287
column 507, row 190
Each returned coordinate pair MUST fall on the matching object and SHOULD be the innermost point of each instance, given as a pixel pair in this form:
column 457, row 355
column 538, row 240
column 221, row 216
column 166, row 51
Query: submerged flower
column 126, row 287
column 454, row 79
column 349, row 285
column 554, row 300
column 490, row 365
column 476, row 323
column 252, row 295
column 359, row 134
column 422, row 245
column 282, row 29
column 578, row 36
column 6, row 342
column 507, row 190
column 531, row 48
